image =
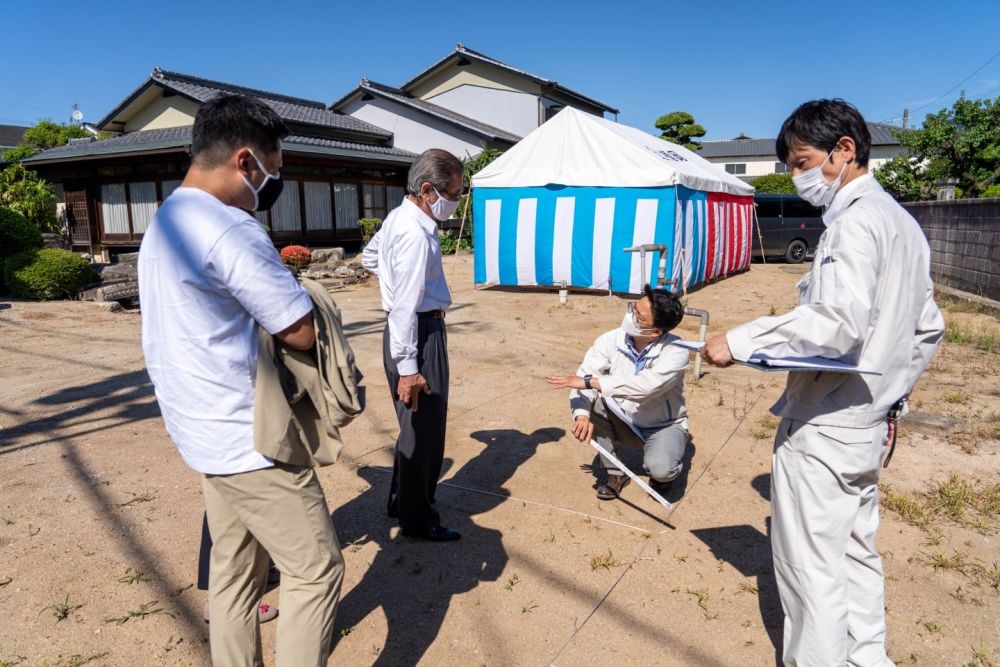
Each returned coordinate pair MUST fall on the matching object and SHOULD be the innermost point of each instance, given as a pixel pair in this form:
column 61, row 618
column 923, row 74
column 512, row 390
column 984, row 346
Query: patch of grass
column 765, row 427
column 137, row 498
column 956, row 561
column 957, row 397
column 978, row 331
column 607, row 561
column 132, row 577
column 910, row 509
column 932, row 627
column 61, row 610
column 144, row 610
column 980, row 657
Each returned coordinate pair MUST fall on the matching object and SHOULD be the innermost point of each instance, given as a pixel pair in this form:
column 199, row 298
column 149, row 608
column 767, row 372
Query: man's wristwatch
column 586, row 381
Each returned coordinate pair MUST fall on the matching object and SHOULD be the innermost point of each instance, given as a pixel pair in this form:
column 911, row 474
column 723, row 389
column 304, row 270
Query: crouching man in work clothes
column 629, row 391
column 868, row 301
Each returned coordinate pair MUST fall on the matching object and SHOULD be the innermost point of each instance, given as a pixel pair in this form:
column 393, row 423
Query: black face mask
column 267, row 194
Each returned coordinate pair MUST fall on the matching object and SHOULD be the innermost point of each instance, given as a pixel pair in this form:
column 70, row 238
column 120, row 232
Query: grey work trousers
column 663, row 449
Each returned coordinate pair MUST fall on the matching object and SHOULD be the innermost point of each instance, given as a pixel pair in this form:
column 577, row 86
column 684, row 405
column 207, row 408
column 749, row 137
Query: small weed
column 909, row 509
column 980, row 657
column 77, row 660
column 32, row 530
column 172, row 643
column 6, row 521
column 513, row 581
column 607, row 561
column 709, row 616
column 932, row 627
column 720, row 402
column 528, row 608
column 701, row 594
column 957, row 397
column 132, row 576
column 144, row 610
column 346, row 631
column 137, row 498
column 956, row 561
column 772, row 311
column 61, row 610
column 746, row 587
column 681, row 558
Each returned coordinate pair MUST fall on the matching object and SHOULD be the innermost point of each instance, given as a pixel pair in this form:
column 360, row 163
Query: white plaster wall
column 415, row 131
column 164, row 112
column 509, row 110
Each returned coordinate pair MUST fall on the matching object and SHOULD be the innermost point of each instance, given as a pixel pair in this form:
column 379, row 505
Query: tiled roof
column 881, row 136
column 11, row 135
column 463, row 51
column 180, row 137
column 397, row 95
column 291, row 109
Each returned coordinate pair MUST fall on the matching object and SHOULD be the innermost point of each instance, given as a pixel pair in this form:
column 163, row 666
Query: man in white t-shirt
column 209, row 278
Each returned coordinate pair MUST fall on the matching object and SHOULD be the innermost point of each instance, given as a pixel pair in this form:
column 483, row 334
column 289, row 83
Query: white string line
column 687, row 492
column 725, row 442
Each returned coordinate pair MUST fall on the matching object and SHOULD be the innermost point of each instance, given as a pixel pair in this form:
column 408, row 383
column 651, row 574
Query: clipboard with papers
column 763, row 362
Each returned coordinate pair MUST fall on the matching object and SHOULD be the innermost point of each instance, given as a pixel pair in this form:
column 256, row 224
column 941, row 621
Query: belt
column 431, row 315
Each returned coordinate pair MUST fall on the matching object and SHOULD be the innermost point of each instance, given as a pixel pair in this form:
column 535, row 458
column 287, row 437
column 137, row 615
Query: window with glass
column 319, row 205
column 345, row 199
column 781, row 168
column 114, row 209
column 142, row 197
column 736, row 168
column 394, row 195
column 374, row 200
column 286, row 215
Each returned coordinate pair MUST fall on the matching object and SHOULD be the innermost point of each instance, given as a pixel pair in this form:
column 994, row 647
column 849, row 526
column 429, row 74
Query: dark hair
column 821, row 123
column 666, row 307
column 227, row 123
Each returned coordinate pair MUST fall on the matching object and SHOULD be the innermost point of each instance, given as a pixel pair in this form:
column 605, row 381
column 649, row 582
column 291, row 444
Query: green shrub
column 17, row 235
column 780, row 184
column 47, row 274
column 369, row 226
column 450, row 243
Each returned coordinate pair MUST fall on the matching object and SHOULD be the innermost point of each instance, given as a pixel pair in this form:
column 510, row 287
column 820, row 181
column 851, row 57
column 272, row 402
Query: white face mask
column 630, row 327
column 813, row 186
column 442, row 209
column 270, row 188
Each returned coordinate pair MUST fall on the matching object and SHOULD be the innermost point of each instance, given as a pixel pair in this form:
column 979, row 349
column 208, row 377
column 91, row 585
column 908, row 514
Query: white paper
column 791, row 364
column 693, row 345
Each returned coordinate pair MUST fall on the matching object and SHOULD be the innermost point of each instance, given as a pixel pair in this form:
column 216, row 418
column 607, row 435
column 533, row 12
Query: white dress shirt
column 868, row 300
column 406, row 257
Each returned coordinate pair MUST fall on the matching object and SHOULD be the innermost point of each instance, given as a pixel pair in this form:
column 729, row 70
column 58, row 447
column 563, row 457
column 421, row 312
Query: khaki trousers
column 279, row 511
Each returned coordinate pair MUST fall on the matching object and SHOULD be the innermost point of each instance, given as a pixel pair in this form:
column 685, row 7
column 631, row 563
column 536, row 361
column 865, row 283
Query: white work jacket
column 649, row 390
column 868, row 300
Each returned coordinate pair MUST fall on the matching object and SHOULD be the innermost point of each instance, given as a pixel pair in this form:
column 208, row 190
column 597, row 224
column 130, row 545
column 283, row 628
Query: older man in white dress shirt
column 406, row 256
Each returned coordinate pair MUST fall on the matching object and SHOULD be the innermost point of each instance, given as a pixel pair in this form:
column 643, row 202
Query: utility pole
column 906, row 118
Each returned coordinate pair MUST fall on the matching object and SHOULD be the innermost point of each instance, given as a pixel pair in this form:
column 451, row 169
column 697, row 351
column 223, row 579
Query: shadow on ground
column 412, row 581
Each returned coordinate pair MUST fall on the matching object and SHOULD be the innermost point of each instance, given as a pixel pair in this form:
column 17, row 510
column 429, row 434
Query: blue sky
column 737, row 66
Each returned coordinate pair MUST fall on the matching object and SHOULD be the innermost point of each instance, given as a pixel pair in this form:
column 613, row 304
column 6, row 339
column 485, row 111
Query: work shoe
column 612, row 488
column 662, row 488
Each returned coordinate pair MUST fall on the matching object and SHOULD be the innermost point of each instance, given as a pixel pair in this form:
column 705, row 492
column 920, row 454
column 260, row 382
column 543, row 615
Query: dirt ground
column 100, row 519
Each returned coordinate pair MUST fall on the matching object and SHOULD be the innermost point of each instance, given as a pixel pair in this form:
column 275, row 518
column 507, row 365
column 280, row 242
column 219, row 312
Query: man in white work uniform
column 869, row 301
column 406, row 257
column 629, row 391
column 209, row 280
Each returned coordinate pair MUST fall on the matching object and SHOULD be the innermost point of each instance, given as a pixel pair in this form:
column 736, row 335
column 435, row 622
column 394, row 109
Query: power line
column 952, row 89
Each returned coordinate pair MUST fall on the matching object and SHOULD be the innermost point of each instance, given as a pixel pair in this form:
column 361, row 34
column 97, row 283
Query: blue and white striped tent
column 564, row 203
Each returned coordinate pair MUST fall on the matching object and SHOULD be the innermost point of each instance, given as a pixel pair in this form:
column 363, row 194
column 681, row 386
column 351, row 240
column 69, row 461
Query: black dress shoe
column 436, row 534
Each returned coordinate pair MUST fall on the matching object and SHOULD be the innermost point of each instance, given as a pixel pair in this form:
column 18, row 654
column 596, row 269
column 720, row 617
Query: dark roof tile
column 882, row 135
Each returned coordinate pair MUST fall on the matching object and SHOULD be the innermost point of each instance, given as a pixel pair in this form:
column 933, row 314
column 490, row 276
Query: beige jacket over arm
column 303, row 398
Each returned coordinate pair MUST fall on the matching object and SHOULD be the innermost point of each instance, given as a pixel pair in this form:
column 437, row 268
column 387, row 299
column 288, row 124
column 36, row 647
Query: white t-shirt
column 208, row 277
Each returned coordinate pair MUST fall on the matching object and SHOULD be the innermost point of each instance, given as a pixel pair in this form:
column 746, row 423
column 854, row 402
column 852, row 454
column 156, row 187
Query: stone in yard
column 323, row 255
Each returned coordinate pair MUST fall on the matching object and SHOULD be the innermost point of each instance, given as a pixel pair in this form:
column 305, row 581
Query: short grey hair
column 434, row 166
